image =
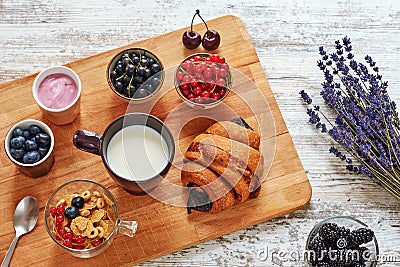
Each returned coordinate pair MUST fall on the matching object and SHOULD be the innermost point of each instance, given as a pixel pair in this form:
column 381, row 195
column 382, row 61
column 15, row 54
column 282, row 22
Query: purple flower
column 367, row 124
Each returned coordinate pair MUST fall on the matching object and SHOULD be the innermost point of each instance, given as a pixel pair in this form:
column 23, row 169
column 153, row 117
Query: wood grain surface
column 286, row 36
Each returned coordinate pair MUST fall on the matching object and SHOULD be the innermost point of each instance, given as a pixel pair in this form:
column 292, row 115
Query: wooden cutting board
column 163, row 228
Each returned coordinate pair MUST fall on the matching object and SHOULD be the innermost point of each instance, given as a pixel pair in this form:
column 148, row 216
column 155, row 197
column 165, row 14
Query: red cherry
column 53, row 211
column 60, row 209
column 67, row 243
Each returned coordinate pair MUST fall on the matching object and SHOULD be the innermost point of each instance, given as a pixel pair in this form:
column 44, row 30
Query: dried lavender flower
column 367, row 124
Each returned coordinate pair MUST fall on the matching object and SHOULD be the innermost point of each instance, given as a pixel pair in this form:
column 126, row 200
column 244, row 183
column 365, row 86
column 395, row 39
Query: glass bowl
column 133, row 89
column 198, row 71
column 341, row 246
column 88, row 245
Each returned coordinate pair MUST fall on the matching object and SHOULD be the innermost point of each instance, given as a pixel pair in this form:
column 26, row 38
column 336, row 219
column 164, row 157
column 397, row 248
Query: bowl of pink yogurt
column 57, row 91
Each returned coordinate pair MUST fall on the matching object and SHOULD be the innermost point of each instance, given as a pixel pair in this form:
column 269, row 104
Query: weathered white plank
column 286, row 35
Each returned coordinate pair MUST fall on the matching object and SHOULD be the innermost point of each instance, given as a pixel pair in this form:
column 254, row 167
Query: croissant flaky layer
column 220, row 166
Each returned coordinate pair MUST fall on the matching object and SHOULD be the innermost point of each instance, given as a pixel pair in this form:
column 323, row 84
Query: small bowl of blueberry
column 341, row 241
column 29, row 145
column 135, row 74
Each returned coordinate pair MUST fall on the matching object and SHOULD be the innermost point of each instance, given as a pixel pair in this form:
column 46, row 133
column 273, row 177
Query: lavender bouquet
column 367, row 124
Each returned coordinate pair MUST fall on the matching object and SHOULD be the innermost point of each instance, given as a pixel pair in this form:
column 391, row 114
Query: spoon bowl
column 25, row 218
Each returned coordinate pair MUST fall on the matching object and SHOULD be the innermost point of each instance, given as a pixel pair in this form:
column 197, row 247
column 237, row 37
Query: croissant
column 221, row 166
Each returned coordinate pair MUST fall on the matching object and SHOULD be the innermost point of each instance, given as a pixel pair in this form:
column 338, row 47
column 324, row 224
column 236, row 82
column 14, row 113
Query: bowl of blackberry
column 203, row 80
column 341, row 241
column 135, row 74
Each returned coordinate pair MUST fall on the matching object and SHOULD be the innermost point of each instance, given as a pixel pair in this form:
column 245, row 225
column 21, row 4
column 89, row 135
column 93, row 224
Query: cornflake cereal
column 83, row 220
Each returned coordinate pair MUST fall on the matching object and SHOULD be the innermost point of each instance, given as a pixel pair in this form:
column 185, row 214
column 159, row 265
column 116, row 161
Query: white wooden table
column 286, row 35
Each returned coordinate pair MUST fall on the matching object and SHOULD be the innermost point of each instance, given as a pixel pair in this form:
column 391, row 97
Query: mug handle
column 88, row 141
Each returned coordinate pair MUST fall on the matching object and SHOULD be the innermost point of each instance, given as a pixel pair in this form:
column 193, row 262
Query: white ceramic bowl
column 63, row 115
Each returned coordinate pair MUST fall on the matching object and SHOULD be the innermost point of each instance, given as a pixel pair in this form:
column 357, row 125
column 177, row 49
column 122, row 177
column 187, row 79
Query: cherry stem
column 198, row 13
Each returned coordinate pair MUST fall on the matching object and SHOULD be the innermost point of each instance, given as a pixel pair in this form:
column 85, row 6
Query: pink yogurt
column 57, row 91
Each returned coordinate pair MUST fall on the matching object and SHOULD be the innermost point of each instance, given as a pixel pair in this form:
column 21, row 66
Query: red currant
column 187, row 65
column 185, row 92
column 216, row 96
column 185, row 86
column 205, row 94
column 78, row 239
column 208, row 74
column 225, row 67
column 186, row 79
column 222, row 73
column 221, row 60
column 68, row 235
column 197, row 59
column 67, row 243
column 96, row 242
column 62, row 232
column 220, row 82
column 190, row 96
column 59, row 219
column 53, row 211
column 179, row 75
column 60, row 209
column 194, row 83
column 197, row 90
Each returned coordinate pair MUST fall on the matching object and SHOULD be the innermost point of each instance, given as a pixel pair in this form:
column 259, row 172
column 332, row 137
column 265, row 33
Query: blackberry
column 328, row 233
column 361, row 236
column 318, row 246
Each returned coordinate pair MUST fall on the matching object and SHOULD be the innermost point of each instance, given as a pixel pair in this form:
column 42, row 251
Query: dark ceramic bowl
column 151, row 86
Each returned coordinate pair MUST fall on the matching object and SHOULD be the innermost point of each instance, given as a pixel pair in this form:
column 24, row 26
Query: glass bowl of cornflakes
column 82, row 217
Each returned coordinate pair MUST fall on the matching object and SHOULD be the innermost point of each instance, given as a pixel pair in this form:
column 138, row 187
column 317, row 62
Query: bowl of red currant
column 203, row 80
column 135, row 74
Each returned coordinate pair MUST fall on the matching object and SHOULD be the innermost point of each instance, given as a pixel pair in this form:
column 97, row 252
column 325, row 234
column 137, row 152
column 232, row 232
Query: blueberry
column 78, row 202
column 17, row 153
column 17, row 132
column 17, row 142
column 42, row 139
column 26, row 134
column 31, row 157
column 34, row 130
column 43, row 151
column 30, row 145
column 155, row 68
column 71, row 212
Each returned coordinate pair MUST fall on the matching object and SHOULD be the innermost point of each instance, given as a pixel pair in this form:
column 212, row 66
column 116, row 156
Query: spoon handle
column 7, row 258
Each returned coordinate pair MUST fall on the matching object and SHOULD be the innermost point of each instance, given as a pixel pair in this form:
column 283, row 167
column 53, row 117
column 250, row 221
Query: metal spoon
column 25, row 218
